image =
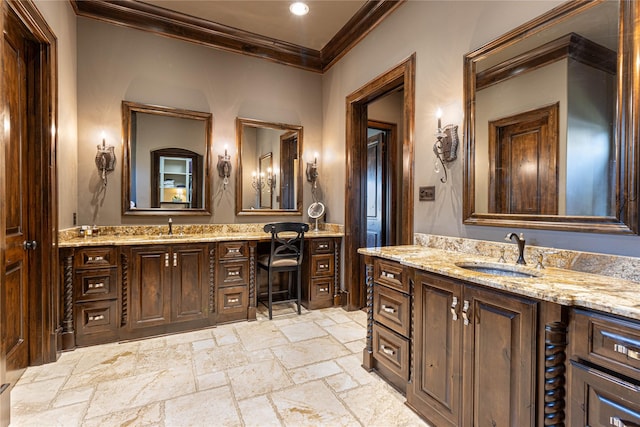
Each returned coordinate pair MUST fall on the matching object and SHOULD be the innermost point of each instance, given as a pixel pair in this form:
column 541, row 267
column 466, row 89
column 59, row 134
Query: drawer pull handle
column 96, row 317
column 633, row 354
column 95, row 258
column 454, row 304
column 387, row 350
column 617, row 422
column 323, row 246
column 234, row 273
column 465, row 310
column 166, row 259
column 323, row 265
column 388, row 275
column 96, row 285
column 325, row 289
column 233, row 300
column 234, row 250
column 388, row 309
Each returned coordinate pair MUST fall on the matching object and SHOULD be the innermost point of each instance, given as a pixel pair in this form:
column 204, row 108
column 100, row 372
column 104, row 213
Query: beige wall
column 62, row 20
column 118, row 64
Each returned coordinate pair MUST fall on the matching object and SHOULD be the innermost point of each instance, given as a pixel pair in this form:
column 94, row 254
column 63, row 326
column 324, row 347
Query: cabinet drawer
column 97, row 317
column 321, row 246
column 233, row 273
column 391, row 350
column 390, row 274
column 322, row 265
column 96, row 284
column 392, row 309
column 599, row 399
column 95, row 258
column 233, row 301
column 321, row 289
column 233, row 250
column 608, row 341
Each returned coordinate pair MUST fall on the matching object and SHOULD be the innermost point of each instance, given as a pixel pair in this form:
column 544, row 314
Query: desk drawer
column 233, row 273
column 233, row 250
column 391, row 350
column 322, row 265
column 232, row 303
column 96, row 284
column 97, row 317
column 320, row 246
column 392, row 308
column 95, row 257
column 608, row 341
column 390, row 274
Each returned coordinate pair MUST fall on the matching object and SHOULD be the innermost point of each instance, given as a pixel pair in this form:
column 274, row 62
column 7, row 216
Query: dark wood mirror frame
column 627, row 130
column 129, row 108
column 240, row 210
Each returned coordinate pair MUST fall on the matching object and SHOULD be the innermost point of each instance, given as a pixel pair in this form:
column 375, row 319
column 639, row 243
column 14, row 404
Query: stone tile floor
column 293, row 371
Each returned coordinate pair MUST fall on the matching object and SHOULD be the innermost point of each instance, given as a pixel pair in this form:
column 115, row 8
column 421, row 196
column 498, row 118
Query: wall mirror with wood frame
column 166, row 160
column 551, row 134
column 269, row 177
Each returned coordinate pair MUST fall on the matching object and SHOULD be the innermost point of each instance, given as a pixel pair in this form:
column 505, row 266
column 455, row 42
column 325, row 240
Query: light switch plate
column 427, row 194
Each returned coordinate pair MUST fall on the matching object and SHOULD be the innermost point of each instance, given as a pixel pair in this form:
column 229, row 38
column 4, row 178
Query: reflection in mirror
column 166, row 160
column 543, row 140
column 269, row 179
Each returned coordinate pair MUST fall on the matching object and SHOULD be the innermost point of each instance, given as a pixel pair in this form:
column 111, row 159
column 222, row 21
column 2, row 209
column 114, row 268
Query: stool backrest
column 287, row 240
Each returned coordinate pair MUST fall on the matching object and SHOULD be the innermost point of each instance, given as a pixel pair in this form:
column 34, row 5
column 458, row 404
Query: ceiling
column 262, row 28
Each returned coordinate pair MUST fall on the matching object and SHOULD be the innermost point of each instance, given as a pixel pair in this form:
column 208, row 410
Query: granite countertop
column 562, row 286
column 154, row 239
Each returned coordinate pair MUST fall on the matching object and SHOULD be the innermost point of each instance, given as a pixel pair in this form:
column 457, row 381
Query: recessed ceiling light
column 299, row 8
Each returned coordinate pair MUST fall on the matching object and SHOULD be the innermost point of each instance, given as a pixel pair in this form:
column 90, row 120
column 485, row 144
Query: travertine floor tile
column 295, row 370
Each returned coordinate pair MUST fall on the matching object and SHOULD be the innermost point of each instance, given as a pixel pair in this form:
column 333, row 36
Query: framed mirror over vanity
column 166, row 160
column 551, row 138
column 269, row 177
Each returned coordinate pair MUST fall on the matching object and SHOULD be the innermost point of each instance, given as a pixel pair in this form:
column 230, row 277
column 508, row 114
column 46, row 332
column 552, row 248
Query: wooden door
column 435, row 391
column 19, row 186
column 499, row 360
column 375, row 191
column 523, row 151
column 150, row 286
column 189, row 283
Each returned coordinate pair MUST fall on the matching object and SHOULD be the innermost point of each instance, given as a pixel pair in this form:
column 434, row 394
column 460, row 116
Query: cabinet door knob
column 454, row 304
column 465, row 310
column 175, row 260
column 166, row 259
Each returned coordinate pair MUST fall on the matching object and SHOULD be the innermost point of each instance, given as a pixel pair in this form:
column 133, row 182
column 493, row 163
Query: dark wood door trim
column 403, row 76
column 44, row 309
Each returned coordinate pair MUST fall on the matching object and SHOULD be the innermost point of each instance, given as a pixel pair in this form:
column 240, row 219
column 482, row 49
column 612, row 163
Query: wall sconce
column 105, row 160
column 224, row 167
column 446, row 146
column 258, row 181
column 312, row 171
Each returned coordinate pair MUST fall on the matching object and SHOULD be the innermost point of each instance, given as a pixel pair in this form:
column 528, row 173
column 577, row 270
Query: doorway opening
column 396, row 183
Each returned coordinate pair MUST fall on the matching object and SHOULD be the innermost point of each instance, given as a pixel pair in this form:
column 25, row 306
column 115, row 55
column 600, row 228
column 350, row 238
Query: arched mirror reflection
column 546, row 145
column 166, row 160
column 269, row 178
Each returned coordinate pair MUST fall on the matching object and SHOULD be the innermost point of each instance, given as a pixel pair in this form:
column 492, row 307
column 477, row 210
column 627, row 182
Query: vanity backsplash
column 622, row 267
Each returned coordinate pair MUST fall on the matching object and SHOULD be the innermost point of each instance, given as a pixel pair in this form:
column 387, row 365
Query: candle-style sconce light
column 446, row 146
column 224, row 168
column 105, row 159
column 312, row 171
column 258, row 181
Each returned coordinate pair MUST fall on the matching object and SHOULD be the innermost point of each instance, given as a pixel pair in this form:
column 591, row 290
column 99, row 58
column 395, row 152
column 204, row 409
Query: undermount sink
column 495, row 269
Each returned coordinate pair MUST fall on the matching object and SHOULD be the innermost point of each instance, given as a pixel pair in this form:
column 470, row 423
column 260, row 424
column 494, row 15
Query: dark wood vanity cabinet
column 235, row 278
column 320, row 272
column 95, row 313
column 474, row 355
column 165, row 287
column 391, row 323
column 604, row 370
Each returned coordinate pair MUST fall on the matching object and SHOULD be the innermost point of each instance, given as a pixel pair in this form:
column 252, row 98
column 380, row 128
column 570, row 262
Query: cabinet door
column 435, row 390
column 150, row 286
column 189, row 282
column 499, row 355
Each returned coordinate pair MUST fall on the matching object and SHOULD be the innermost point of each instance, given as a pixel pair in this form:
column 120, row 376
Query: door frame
column 402, row 75
column 45, row 297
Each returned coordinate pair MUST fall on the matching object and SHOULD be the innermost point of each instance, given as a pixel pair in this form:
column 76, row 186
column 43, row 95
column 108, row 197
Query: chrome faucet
column 520, row 241
column 170, row 227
